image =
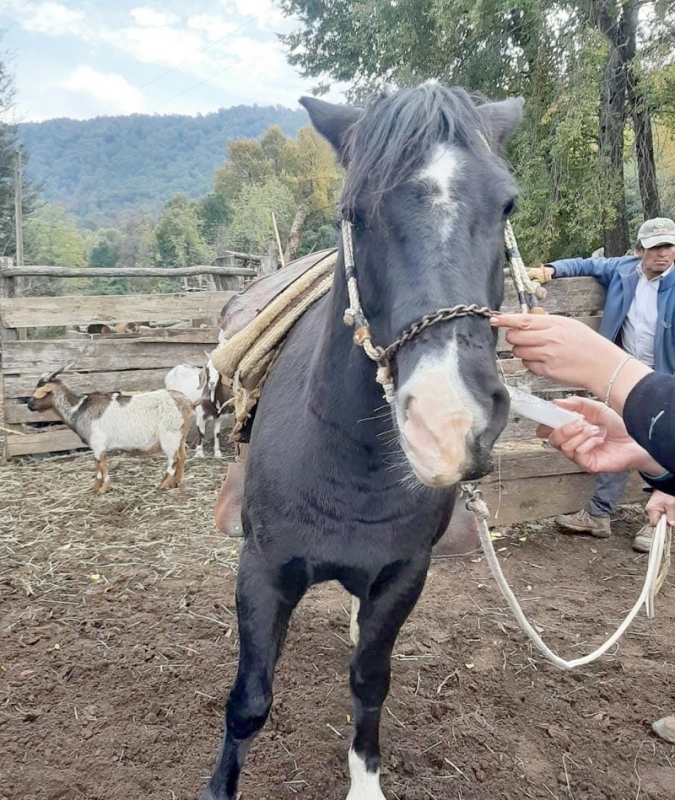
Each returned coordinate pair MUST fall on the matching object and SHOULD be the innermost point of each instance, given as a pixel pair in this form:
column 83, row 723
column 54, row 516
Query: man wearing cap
column 639, row 316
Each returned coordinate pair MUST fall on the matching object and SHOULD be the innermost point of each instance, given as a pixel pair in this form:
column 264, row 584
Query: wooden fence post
column 6, row 335
column 269, row 263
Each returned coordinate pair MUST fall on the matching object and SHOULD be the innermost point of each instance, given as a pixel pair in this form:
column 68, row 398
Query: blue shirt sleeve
column 601, row 269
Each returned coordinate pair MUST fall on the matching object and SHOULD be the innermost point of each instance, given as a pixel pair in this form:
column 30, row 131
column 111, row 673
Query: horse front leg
column 265, row 602
column 390, row 599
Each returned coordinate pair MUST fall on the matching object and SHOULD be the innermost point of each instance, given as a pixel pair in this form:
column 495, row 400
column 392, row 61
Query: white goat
column 203, row 387
column 142, row 422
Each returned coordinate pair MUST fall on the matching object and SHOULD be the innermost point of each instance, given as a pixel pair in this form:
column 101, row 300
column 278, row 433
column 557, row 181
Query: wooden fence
column 529, row 481
column 127, row 362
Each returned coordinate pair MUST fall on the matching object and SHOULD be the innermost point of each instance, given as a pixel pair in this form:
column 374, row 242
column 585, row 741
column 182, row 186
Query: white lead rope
column 659, row 551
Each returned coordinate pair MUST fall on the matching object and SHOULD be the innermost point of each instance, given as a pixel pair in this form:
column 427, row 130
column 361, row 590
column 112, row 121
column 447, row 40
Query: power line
column 182, row 63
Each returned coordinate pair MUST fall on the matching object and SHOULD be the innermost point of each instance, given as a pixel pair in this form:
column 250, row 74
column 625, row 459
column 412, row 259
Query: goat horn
column 61, row 369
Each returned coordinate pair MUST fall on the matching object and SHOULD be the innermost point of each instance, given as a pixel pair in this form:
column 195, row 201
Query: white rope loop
column 654, row 579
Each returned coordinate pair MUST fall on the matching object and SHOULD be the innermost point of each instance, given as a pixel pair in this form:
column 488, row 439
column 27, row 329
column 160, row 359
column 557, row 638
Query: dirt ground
column 118, row 644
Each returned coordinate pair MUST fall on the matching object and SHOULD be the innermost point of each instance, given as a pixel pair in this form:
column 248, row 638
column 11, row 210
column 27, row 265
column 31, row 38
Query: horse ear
column 501, row 119
column 332, row 121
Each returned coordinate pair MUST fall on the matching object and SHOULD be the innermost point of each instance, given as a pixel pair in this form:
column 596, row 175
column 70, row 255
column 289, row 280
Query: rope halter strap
column 355, row 317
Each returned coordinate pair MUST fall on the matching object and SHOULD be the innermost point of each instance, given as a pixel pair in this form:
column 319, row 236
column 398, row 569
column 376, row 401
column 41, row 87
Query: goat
column 209, row 397
column 142, row 422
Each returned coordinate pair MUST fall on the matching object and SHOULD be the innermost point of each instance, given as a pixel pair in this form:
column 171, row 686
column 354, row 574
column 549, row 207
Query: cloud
column 150, row 18
column 214, row 28
column 105, row 87
column 53, row 19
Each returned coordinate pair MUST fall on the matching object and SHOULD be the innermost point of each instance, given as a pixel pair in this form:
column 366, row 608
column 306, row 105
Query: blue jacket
column 620, row 278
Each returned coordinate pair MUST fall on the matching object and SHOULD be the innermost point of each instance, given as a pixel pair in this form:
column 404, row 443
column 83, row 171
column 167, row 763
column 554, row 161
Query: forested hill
column 100, row 167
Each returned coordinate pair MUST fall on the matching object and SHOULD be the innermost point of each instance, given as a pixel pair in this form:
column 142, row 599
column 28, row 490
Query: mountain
column 102, row 168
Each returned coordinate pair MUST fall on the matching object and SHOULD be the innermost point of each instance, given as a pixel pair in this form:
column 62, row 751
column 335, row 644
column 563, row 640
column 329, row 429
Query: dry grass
column 57, row 537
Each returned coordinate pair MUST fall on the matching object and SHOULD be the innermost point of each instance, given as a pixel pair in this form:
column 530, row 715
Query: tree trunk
column 616, row 24
column 644, row 150
column 296, row 233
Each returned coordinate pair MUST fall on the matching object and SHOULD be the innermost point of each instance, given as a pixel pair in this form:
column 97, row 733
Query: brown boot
column 643, row 540
column 583, row 522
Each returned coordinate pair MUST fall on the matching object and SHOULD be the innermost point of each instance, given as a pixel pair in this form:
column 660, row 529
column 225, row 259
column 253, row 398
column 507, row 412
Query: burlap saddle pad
column 255, row 323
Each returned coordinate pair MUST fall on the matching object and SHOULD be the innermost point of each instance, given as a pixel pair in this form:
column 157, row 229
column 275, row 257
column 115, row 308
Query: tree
column 52, row 238
column 251, row 225
column 9, row 148
column 304, row 167
column 557, row 53
column 178, row 237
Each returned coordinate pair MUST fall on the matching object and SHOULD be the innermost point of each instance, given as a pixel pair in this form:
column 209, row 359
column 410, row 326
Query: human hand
column 570, row 353
column 600, row 441
column 661, row 503
column 541, row 274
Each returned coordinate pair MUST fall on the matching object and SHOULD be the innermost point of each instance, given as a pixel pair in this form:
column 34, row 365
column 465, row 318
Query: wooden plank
column 38, row 312
column 530, row 462
column 100, row 355
column 132, row 380
column 569, row 296
column 514, row 501
column 128, row 272
column 46, row 441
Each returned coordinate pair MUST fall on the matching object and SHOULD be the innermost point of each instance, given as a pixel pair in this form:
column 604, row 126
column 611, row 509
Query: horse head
column 427, row 195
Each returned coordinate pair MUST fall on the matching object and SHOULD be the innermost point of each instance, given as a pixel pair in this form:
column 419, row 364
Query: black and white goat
column 211, row 400
column 144, row 422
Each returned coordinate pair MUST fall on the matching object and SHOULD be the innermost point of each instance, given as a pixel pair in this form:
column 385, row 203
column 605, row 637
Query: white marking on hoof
column 199, row 452
column 365, row 785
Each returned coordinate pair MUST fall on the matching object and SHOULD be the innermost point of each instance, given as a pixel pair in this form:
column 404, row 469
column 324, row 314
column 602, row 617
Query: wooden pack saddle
column 255, row 323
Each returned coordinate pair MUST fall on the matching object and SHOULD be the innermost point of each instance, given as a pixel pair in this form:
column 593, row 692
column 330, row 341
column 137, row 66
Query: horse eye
column 509, row 208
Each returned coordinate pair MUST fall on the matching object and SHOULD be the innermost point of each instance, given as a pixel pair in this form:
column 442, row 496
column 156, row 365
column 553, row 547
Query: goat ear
column 43, row 391
column 202, row 378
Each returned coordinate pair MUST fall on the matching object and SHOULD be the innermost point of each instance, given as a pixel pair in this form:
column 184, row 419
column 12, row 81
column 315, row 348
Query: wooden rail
column 125, row 272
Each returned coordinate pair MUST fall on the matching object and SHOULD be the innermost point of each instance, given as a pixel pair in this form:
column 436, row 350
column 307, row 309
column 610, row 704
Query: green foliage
column 550, row 51
column 178, row 237
column 100, row 168
column 9, row 148
column 105, row 253
column 251, row 226
column 52, row 238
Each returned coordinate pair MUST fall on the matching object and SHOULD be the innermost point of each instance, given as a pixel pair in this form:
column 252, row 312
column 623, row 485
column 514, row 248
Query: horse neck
column 355, row 395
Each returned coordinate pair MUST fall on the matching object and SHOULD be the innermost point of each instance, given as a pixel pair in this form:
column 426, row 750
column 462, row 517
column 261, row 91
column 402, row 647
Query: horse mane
column 395, row 133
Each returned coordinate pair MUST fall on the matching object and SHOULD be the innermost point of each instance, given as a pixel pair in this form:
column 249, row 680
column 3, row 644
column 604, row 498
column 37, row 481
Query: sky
column 88, row 58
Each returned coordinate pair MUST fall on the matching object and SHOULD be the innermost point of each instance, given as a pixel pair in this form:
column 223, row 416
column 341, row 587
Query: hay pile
column 57, row 537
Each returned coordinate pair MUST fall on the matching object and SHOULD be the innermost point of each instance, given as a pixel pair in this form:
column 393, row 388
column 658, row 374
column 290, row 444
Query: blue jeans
column 609, row 489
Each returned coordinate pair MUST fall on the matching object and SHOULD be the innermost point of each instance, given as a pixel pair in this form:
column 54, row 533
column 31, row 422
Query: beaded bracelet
column 618, row 369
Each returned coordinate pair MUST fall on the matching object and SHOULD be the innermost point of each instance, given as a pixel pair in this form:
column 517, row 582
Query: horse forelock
column 395, row 135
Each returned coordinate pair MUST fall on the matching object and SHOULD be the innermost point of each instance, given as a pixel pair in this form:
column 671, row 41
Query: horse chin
column 432, row 476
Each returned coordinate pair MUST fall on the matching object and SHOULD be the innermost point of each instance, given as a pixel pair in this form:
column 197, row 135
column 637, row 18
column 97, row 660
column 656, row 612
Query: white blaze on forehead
column 442, row 172
column 365, row 785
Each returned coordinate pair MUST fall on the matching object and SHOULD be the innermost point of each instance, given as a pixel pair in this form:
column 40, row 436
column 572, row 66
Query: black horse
column 338, row 486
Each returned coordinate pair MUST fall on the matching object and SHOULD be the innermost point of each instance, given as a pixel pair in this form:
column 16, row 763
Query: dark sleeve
column 649, row 414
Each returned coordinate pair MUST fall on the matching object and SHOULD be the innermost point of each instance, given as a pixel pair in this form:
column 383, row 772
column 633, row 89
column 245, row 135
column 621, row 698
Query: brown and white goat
column 144, row 422
column 211, row 399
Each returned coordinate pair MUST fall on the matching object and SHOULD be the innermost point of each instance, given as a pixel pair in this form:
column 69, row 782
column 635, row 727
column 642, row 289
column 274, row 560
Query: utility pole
column 18, row 208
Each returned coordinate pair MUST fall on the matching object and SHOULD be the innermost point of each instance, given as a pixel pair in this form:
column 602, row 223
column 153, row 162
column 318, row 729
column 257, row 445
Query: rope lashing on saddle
column 244, row 361
column 658, row 566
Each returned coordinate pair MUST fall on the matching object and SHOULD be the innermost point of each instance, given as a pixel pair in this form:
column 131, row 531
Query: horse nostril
column 500, row 401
